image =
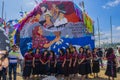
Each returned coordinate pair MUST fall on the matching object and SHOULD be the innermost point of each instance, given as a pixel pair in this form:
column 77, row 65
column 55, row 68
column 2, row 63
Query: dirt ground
column 101, row 76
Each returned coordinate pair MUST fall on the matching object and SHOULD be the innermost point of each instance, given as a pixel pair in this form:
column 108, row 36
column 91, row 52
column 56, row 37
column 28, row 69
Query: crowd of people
column 67, row 64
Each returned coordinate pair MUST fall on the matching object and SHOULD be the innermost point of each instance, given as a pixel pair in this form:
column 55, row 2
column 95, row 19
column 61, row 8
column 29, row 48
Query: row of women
column 69, row 62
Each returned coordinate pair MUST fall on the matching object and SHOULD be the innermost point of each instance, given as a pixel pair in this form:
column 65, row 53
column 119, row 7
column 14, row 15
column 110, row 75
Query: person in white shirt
column 13, row 60
column 21, row 59
column 61, row 20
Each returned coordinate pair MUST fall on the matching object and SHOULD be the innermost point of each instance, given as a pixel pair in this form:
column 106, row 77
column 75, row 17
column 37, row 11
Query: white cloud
column 118, row 28
column 105, row 7
column 31, row 3
column 106, row 37
column 111, row 4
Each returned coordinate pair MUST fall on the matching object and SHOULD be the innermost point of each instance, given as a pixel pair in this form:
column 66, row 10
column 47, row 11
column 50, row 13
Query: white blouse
column 59, row 22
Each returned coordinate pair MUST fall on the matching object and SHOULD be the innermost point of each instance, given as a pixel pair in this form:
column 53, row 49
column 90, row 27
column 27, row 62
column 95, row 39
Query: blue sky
column 102, row 9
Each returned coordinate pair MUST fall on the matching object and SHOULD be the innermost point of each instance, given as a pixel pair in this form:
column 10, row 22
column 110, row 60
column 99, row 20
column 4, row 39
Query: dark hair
column 86, row 51
column 61, row 8
column 94, row 50
column 109, row 51
column 67, row 49
column 36, row 50
column 30, row 50
column 81, row 48
column 44, row 5
column 44, row 52
column 117, row 48
column 99, row 49
column 75, row 48
column 62, row 50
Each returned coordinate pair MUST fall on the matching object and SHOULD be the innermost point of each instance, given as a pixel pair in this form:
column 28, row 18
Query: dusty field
column 101, row 76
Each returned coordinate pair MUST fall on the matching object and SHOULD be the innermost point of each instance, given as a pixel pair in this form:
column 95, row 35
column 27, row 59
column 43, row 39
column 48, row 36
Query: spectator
column 13, row 59
column 28, row 64
column 3, row 64
column 111, row 64
column 118, row 58
column 100, row 55
column 20, row 60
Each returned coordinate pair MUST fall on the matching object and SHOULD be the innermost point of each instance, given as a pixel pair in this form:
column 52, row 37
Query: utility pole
column 98, row 31
column 2, row 9
column 82, row 5
column 5, row 16
column 111, row 29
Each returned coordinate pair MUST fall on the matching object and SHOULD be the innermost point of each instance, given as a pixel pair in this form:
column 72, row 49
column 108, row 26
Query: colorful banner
column 88, row 22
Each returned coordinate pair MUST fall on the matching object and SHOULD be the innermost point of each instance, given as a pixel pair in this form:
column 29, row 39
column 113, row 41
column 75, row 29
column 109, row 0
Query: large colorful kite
column 54, row 25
